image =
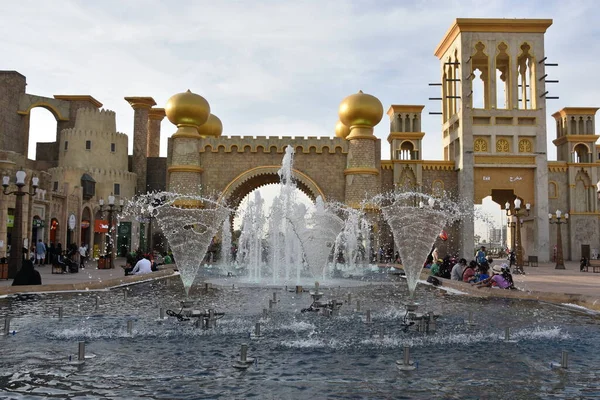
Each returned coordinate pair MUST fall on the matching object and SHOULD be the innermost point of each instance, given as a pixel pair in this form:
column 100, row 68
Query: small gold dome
column 341, row 130
column 213, row 127
column 187, row 109
column 360, row 109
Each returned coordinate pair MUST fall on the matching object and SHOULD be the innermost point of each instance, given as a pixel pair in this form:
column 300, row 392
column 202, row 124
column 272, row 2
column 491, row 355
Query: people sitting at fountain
column 469, row 272
column 143, row 266
column 428, row 262
column 435, row 268
column 501, row 278
column 167, row 259
column 482, row 272
column 457, row 270
column 27, row 275
column 445, row 268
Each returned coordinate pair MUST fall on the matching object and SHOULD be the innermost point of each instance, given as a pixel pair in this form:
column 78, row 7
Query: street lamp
column 16, row 242
column 518, row 222
column 560, row 262
column 111, row 209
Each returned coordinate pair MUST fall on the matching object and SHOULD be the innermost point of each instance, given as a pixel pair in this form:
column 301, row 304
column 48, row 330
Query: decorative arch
column 583, row 191
column 581, row 153
column 407, row 179
column 407, row 151
column 526, row 78
column 525, row 146
column 437, row 188
column 480, row 71
column 256, row 177
column 503, row 77
column 48, row 106
column 480, row 145
column 553, row 190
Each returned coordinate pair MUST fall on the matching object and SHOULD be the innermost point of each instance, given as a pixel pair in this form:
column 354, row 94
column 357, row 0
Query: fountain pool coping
column 560, row 298
column 87, row 286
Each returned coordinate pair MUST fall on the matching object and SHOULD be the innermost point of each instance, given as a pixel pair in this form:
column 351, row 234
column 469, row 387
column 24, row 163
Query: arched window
column 480, row 77
column 502, row 146
column 580, row 153
column 526, row 82
column 480, row 145
column 525, row 146
column 502, row 77
column 407, row 151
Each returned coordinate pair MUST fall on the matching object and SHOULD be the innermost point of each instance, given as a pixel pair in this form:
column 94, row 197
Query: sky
column 272, row 68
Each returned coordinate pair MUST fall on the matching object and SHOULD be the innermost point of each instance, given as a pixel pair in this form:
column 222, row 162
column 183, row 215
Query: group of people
column 139, row 263
column 477, row 272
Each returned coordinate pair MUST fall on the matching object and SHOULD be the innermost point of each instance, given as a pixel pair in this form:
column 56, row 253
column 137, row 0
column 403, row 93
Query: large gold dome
column 187, row 109
column 360, row 109
column 341, row 130
column 213, row 127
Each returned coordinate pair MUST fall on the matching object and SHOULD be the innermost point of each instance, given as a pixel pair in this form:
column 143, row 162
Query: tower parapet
column 95, row 120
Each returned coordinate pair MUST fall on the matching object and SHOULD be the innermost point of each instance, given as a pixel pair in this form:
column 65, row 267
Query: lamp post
column 111, row 209
column 518, row 222
column 560, row 262
column 16, row 243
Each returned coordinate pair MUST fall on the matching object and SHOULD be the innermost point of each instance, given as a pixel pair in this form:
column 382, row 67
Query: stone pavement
column 89, row 278
column 545, row 283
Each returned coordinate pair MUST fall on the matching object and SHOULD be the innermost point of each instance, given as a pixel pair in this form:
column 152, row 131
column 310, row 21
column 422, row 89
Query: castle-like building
column 493, row 81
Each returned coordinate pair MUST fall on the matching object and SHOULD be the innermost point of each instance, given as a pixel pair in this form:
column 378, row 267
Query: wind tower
column 493, row 80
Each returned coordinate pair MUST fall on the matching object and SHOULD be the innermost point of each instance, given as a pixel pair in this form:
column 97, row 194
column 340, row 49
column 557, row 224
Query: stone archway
column 256, row 177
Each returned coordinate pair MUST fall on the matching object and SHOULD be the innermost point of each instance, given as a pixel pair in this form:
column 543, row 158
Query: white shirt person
column 143, row 266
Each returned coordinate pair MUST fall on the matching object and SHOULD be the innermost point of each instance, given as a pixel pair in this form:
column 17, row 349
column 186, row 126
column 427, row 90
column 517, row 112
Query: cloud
column 270, row 66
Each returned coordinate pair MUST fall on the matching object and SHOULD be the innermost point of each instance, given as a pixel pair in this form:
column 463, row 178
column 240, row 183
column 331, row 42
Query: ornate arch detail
column 268, row 172
column 525, row 146
column 553, row 192
column 437, row 188
column 502, row 146
column 480, row 145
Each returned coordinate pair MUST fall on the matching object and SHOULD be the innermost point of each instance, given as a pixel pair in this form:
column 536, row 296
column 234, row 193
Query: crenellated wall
column 268, row 144
column 99, row 128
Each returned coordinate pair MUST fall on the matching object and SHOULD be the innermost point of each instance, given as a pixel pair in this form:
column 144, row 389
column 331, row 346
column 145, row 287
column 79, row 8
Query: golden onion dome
column 213, row 127
column 360, row 109
column 341, row 130
column 187, row 109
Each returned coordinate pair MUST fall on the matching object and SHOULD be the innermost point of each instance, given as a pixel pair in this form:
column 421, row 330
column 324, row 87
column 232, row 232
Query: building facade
column 494, row 80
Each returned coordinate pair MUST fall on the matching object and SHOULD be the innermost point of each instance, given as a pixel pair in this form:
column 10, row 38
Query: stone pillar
column 141, row 106
column 155, row 117
column 362, row 176
column 188, row 111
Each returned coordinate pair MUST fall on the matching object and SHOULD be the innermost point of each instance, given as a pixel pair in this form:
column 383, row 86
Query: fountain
column 293, row 242
column 189, row 230
column 416, row 220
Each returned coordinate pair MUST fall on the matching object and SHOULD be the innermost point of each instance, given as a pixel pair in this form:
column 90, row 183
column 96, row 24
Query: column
column 141, row 107
column 155, row 117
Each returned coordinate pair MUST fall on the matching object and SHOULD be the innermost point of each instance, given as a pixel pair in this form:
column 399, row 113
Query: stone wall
column 12, row 86
column 221, row 167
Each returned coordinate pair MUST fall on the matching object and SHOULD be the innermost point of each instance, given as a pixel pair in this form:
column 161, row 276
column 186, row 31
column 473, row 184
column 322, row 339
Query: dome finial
column 187, row 109
column 360, row 109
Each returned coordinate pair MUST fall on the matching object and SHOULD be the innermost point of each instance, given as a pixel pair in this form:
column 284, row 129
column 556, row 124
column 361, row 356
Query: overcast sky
column 275, row 68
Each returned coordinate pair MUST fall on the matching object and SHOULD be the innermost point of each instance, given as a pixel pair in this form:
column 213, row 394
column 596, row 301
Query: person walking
column 82, row 255
column 40, row 252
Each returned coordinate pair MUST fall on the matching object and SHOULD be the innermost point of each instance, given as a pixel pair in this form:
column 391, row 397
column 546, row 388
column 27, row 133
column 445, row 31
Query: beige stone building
column 494, row 79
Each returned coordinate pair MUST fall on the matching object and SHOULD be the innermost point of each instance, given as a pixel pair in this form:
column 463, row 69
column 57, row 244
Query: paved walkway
column 89, row 274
